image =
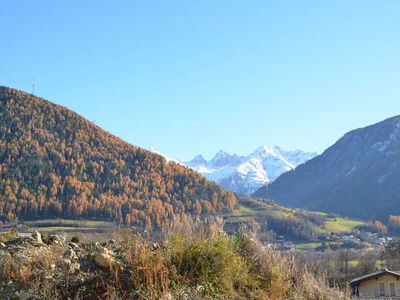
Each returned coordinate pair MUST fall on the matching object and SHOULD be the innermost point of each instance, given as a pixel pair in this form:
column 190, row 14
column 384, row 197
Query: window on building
column 392, row 286
column 381, row 289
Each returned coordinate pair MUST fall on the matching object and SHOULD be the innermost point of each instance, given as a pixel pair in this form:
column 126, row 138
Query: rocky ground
column 52, row 267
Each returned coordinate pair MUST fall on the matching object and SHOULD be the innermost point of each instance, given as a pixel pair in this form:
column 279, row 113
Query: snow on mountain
column 245, row 174
column 168, row 159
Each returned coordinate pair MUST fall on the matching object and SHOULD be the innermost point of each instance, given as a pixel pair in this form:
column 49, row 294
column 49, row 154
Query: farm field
column 251, row 208
column 86, row 230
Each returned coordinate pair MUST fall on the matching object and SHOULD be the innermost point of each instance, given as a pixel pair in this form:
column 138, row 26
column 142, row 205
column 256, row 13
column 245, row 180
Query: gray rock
column 70, row 254
column 74, row 268
column 58, row 239
column 104, row 258
column 26, row 296
column 37, row 237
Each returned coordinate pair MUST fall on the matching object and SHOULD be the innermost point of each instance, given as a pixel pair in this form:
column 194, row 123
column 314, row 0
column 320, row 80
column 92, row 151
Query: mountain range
column 55, row 163
column 358, row 176
column 244, row 174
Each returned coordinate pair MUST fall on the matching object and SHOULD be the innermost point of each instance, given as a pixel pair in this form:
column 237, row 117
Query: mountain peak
column 198, row 159
column 245, row 174
column 267, row 150
column 220, row 154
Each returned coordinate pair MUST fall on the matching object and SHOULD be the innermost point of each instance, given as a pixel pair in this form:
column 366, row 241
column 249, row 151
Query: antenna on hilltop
column 33, row 86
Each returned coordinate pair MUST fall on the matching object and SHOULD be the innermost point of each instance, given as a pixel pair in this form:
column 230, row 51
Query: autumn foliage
column 54, row 163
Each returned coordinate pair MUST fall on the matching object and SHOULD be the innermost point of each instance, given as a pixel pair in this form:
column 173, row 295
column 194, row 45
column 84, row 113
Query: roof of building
column 382, row 272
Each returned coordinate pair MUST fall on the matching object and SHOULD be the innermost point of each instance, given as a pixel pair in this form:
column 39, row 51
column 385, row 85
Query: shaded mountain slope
column 358, row 176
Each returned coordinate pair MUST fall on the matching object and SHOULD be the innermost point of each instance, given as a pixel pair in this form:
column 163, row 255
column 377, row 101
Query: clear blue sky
column 189, row 77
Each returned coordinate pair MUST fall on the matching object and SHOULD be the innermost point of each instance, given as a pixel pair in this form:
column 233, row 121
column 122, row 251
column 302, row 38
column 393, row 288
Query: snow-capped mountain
column 245, row 174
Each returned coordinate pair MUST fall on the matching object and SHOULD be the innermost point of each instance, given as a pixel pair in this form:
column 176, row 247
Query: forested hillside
column 54, row 163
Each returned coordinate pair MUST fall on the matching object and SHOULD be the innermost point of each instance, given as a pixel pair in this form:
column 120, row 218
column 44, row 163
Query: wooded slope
column 55, row 163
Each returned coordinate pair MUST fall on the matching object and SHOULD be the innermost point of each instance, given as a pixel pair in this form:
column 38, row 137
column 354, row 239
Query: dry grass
column 149, row 274
column 191, row 260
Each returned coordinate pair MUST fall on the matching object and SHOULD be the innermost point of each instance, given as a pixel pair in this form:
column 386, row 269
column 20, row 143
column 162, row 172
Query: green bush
column 212, row 264
column 5, row 236
column 75, row 239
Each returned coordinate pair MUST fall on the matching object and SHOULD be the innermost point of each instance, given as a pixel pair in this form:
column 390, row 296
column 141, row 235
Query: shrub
column 5, row 236
column 149, row 269
column 211, row 264
column 75, row 239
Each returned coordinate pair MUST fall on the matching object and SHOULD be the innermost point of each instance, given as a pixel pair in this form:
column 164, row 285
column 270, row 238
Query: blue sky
column 189, row 77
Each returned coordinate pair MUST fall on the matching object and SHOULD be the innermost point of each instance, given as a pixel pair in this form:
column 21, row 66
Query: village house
column 383, row 284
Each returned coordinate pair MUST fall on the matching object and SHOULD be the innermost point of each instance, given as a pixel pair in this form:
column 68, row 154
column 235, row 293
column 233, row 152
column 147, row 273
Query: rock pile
column 47, row 264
